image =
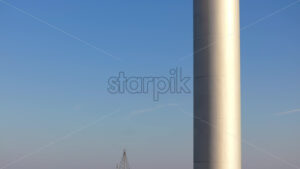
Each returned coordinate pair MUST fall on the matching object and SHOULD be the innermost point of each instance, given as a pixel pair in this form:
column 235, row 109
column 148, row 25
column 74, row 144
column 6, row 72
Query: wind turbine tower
column 217, row 135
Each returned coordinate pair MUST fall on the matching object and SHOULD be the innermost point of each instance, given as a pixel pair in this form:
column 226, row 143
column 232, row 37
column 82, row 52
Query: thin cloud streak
column 61, row 30
column 245, row 141
column 142, row 111
column 289, row 112
column 261, row 19
column 58, row 140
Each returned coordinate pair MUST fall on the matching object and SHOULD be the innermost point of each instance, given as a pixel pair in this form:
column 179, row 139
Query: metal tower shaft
column 217, row 142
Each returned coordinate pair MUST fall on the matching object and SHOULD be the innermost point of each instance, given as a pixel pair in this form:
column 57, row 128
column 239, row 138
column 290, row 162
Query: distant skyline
column 56, row 57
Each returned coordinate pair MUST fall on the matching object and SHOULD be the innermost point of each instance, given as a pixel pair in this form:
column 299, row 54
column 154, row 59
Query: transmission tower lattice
column 124, row 162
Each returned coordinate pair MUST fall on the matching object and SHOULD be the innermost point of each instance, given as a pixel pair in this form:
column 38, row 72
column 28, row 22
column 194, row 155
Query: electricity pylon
column 124, row 162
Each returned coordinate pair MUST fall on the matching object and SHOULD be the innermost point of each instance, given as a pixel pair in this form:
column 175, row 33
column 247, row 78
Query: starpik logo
column 174, row 83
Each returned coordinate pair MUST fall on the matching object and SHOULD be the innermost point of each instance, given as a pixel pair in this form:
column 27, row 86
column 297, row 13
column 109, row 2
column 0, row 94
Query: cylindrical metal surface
column 217, row 135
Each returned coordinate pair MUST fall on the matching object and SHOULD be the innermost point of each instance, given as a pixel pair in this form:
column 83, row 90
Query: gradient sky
column 54, row 74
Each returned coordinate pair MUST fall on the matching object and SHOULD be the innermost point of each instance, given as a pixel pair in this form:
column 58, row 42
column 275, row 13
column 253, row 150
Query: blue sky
column 54, row 81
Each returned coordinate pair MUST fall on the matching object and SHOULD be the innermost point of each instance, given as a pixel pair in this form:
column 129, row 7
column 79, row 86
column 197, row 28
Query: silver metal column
column 217, row 137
